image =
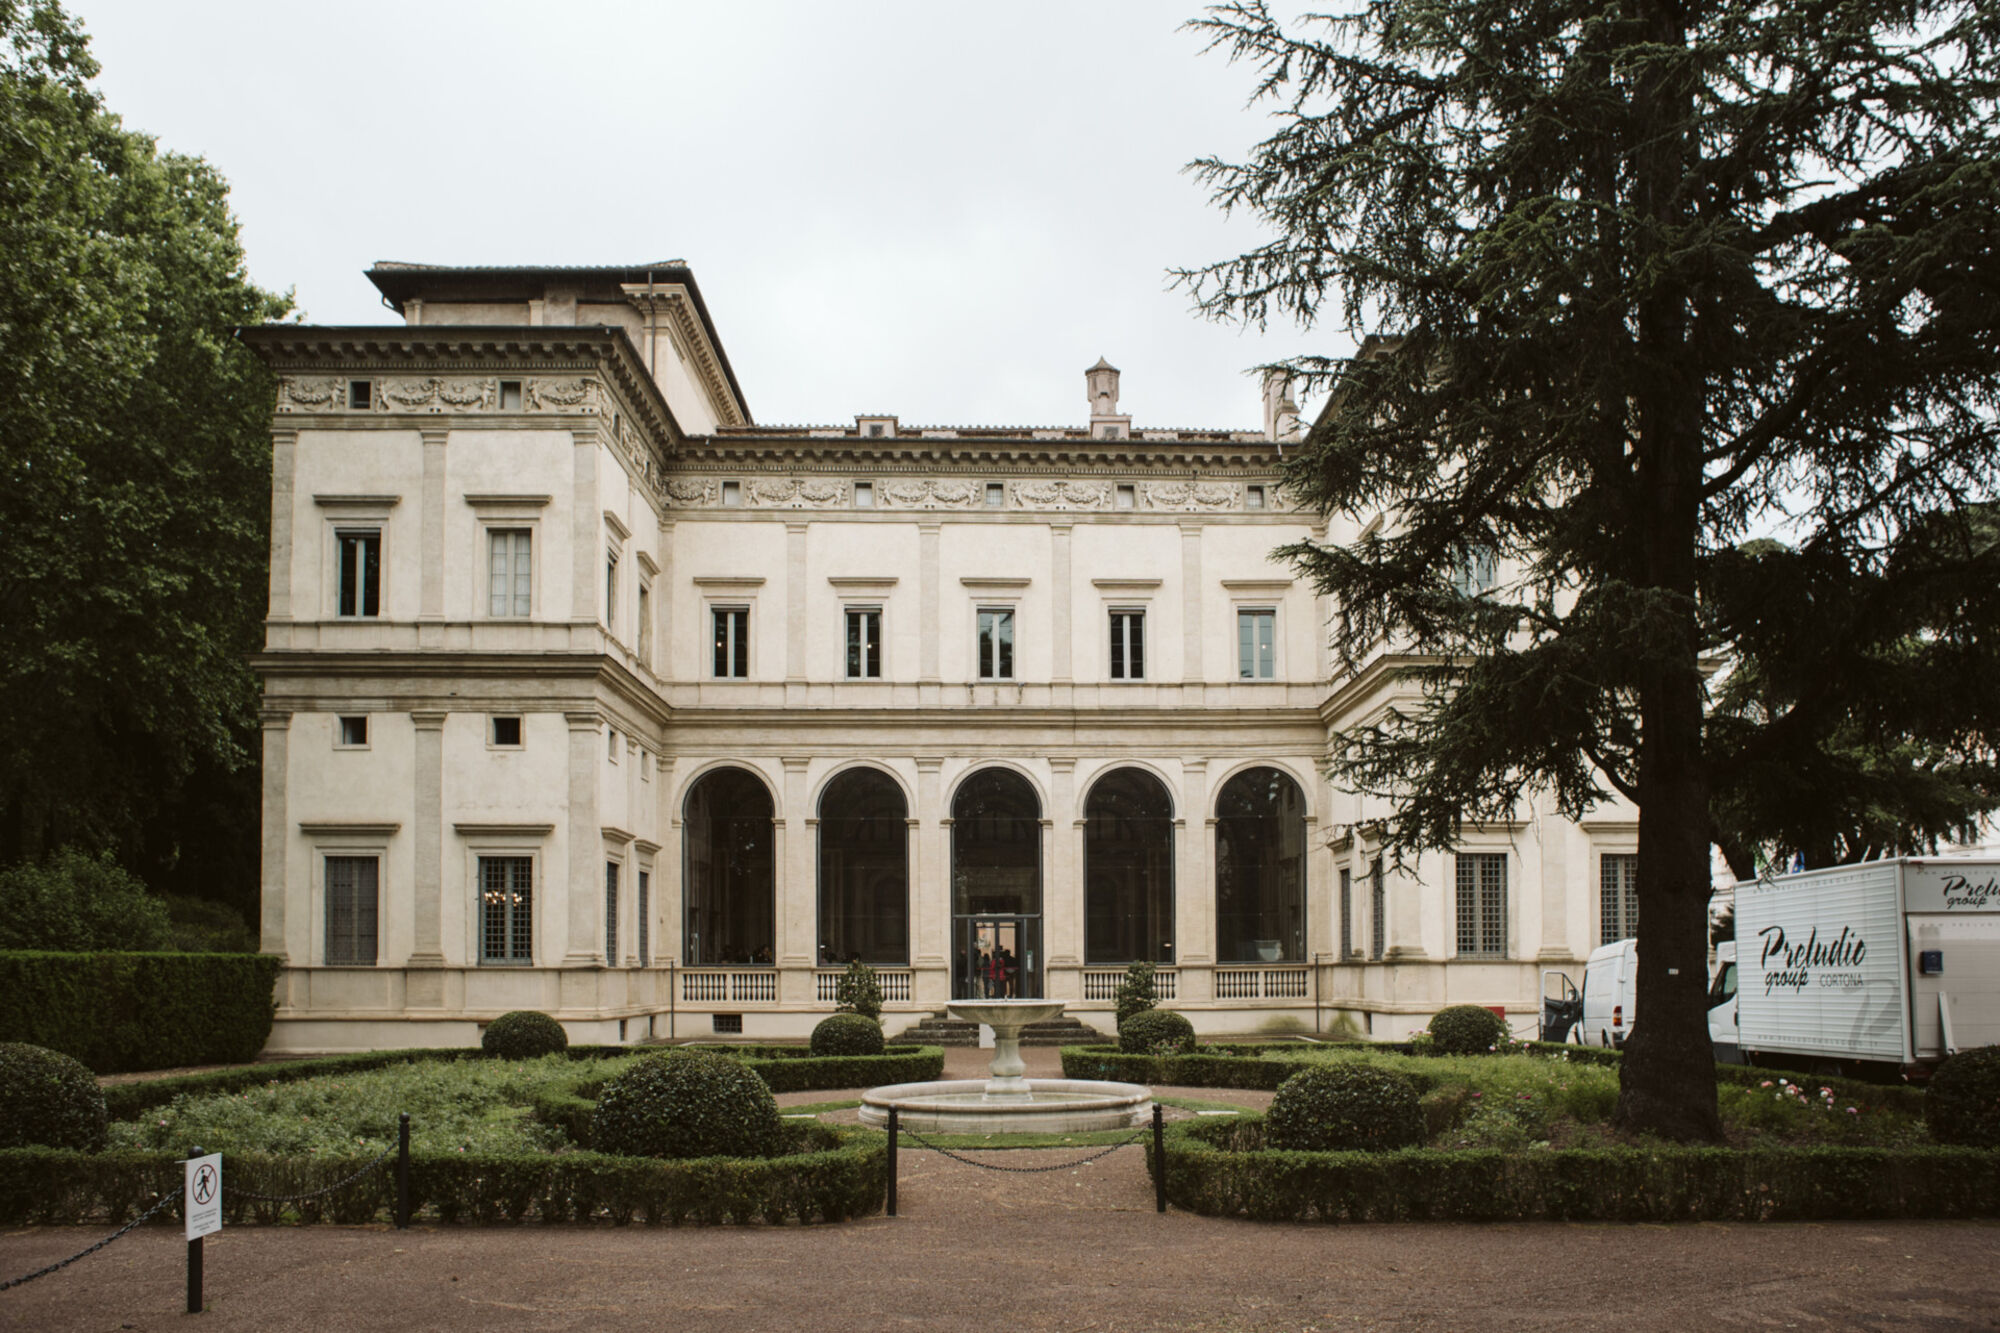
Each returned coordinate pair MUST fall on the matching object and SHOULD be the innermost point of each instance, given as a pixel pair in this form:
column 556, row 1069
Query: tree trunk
column 1667, row 1078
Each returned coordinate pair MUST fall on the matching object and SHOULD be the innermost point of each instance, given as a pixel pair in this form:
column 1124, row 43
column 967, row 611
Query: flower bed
column 1223, row 1169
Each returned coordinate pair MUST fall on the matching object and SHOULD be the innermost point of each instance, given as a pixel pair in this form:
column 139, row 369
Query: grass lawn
column 1524, row 1102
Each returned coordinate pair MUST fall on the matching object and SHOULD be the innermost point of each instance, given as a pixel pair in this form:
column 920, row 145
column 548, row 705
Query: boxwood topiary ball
column 1962, row 1104
column 1467, row 1029
column 1338, row 1107
column 1156, row 1032
column 49, row 1100
column 847, row 1034
column 686, row 1104
column 523, row 1035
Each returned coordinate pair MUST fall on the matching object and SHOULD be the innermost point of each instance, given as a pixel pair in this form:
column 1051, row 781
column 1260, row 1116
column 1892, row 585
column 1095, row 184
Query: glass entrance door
column 999, row 958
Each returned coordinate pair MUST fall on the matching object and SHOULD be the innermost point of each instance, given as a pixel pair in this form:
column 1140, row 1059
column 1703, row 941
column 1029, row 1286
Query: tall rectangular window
column 506, row 909
column 1257, row 644
column 1346, row 914
column 509, row 585
column 1378, row 911
column 732, row 642
column 1476, row 572
column 996, row 643
column 1128, row 645
column 611, row 591
column 611, row 914
column 358, row 554
column 645, row 910
column 351, row 894
column 1482, row 905
column 864, row 643
column 1618, row 897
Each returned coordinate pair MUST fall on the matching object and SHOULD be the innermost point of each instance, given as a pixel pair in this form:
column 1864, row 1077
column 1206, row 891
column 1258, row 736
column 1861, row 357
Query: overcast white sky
column 945, row 211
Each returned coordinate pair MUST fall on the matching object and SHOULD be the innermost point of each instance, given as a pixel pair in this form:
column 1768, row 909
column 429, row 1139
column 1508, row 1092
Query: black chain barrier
column 922, row 1142
column 314, row 1194
column 162, row 1202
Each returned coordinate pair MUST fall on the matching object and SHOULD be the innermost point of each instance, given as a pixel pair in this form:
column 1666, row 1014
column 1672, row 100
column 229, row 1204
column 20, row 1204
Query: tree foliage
column 134, row 477
column 72, row 903
column 1654, row 278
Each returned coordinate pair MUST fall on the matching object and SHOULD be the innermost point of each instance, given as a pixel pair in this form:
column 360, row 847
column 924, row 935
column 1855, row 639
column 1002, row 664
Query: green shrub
column 48, row 1099
column 847, row 1034
column 823, row 1175
column 200, row 925
column 1332, row 1107
column 1222, row 1168
column 72, row 901
column 859, row 991
column 686, row 1104
column 1467, row 1029
column 1136, row 993
column 523, row 1035
column 1962, row 1104
column 1156, row 1032
column 119, row 1011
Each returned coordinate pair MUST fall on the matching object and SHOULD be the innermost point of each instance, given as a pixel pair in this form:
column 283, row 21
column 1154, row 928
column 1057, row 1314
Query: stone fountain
column 1007, row 1103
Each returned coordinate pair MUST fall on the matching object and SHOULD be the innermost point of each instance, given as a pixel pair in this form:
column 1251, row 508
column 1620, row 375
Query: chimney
column 1281, row 414
column 1101, row 383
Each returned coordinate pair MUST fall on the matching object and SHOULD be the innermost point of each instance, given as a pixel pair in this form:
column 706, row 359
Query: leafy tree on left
column 134, row 484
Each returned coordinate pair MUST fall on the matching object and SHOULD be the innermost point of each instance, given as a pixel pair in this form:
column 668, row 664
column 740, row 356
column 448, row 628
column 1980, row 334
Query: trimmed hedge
column 797, row 1069
column 826, row 1175
column 523, row 1034
column 48, row 1099
column 1467, row 1029
column 124, row 1011
column 847, row 1034
column 1156, row 1032
column 1224, row 1170
column 1222, row 1066
column 686, row 1104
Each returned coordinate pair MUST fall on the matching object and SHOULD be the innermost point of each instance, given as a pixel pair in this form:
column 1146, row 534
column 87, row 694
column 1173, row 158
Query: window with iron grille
column 1378, row 910
column 506, row 909
column 1482, row 905
column 864, row 643
column 611, row 914
column 645, row 907
column 1618, row 897
column 1346, row 914
column 1128, row 645
column 352, row 887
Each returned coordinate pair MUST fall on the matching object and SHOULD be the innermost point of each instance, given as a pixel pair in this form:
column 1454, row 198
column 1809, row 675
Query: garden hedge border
column 1243, row 1065
column 795, row 1067
column 1221, row 1170
column 835, row 1174
column 128, row 1011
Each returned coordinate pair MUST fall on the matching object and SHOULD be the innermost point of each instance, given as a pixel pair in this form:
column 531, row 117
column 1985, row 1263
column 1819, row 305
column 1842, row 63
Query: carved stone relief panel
column 311, row 393
column 1061, row 494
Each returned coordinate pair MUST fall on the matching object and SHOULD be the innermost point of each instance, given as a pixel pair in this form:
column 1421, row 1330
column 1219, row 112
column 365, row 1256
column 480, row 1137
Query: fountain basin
column 1047, row 1106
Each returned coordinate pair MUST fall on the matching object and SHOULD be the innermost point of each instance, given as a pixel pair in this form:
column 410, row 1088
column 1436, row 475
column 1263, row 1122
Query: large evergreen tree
column 1657, row 277
column 134, row 482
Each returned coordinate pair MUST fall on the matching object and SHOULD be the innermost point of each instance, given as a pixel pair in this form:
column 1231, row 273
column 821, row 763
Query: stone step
column 943, row 1030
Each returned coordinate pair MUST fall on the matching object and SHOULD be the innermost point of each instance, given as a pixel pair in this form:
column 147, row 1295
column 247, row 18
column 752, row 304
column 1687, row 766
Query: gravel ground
column 1076, row 1248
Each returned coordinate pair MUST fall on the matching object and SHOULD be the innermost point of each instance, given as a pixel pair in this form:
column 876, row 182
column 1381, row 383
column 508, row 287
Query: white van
column 1610, row 976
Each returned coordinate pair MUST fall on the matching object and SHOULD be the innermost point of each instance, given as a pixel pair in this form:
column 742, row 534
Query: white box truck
column 1887, row 965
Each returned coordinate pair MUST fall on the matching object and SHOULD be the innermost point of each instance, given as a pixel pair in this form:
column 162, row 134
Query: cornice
column 455, row 370
column 685, row 327
column 1380, row 672
column 1022, row 455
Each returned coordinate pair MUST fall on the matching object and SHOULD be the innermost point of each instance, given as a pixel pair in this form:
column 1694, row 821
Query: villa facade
column 586, row 693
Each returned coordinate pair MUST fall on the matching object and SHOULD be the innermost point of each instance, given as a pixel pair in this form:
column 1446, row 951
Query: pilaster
column 796, row 610
column 1194, row 885
column 1062, row 902
column 276, row 851
column 430, row 605
column 930, row 872
column 284, row 471
column 927, row 604
column 1061, row 631
column 1193, row 666
column 797, row 928
column 585, row 917
column 586, row 544
column 427, row 832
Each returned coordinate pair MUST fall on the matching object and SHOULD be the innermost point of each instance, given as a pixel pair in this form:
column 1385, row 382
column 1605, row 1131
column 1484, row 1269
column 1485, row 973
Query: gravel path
column 1075, row 1249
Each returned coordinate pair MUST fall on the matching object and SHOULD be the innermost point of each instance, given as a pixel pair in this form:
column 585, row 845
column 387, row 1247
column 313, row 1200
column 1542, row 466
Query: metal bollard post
column 893, row 1126
column 1159, row 1159
column 403, row 1171
column 194, row 1261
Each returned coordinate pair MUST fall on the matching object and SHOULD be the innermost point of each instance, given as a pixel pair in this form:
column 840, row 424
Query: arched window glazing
column 996, row 845
column 1128, row 860
column 864, row 886
column 1260, row 869
column 730, row 901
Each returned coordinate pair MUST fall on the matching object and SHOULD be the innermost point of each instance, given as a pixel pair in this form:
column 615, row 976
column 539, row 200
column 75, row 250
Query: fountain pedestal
column 1007, row 1103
